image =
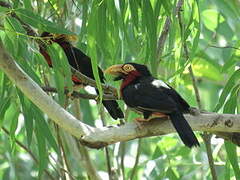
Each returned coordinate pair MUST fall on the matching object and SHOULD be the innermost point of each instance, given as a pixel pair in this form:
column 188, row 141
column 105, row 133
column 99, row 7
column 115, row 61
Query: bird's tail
column 113, row 109
column 183, row 128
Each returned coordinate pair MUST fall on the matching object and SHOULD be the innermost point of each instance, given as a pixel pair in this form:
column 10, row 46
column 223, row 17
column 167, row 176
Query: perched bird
column 81, row 62
column 152, row 97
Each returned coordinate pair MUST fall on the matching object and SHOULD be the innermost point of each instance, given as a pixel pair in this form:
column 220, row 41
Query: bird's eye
column 128, row 68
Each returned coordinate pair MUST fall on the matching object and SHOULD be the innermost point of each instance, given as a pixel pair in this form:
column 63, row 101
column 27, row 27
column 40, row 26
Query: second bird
column 81, row 62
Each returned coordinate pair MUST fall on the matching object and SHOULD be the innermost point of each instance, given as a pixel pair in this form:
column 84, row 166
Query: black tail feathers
column 184, row 130
column 113, row 109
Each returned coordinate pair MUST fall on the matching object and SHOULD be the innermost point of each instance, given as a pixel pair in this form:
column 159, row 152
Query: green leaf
column 3, row 10
column 9, row 38
column 62, row 71
column 210, row 18
column 233, row 158
column 157, row 153
column 42, row 150
column 29, row 70
column 227, row 170
column 87, row 112
column 229, row 63
column 231, row 104
column 91, row 39
column 228, row 87
column 167, row 6
column 11, row 116
column 171, row 174
column 16, row 25
column 4, row 105
column 133, row 4
column 14, row 123
column 204, row 68
column 39, row 22
column 28, row 115
column 27, row 4
column 41, row 123
column 151, row 27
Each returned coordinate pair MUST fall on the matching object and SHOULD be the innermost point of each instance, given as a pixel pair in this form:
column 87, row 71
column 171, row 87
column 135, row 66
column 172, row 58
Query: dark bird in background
column 81, row 62
column 152, row 97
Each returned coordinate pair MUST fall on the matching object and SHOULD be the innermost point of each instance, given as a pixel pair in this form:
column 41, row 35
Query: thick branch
column 212, row 122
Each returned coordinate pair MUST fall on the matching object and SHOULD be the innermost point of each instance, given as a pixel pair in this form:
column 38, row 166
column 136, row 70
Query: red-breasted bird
column 152, row 97
column 81, row 62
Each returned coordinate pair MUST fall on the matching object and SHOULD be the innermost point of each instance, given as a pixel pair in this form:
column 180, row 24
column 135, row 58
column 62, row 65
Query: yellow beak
column 115, row 70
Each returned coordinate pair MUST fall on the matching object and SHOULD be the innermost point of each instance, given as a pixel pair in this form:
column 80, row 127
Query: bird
column 153, row 98
column 81, row 62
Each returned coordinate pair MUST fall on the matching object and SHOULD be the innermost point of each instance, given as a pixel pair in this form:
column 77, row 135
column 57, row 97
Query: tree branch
column 211, row 122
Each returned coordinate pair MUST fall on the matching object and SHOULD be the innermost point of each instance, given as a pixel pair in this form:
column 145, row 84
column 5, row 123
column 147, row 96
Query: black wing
column 144, row 96
column 81, row 62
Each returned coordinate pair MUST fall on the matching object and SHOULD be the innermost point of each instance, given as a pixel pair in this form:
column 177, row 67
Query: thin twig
column 108, row 158
column 122, row 156
column 224, row 47
column 206, row 136
column 91, row 82
column 134, row 170
column 76, row 94
column 63, row 175
column 122, row 145
column 29, row 152
column 163, row 37
column 165, row 32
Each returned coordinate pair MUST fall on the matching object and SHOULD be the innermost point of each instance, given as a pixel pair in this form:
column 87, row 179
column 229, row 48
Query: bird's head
column 59, row 38
column 121, row 71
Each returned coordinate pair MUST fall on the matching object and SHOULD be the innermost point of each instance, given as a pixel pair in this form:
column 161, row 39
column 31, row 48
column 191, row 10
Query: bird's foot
column 158, row 115
column 139, row 121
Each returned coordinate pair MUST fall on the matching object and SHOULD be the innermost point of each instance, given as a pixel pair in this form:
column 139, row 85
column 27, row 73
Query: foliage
column 114, row 32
